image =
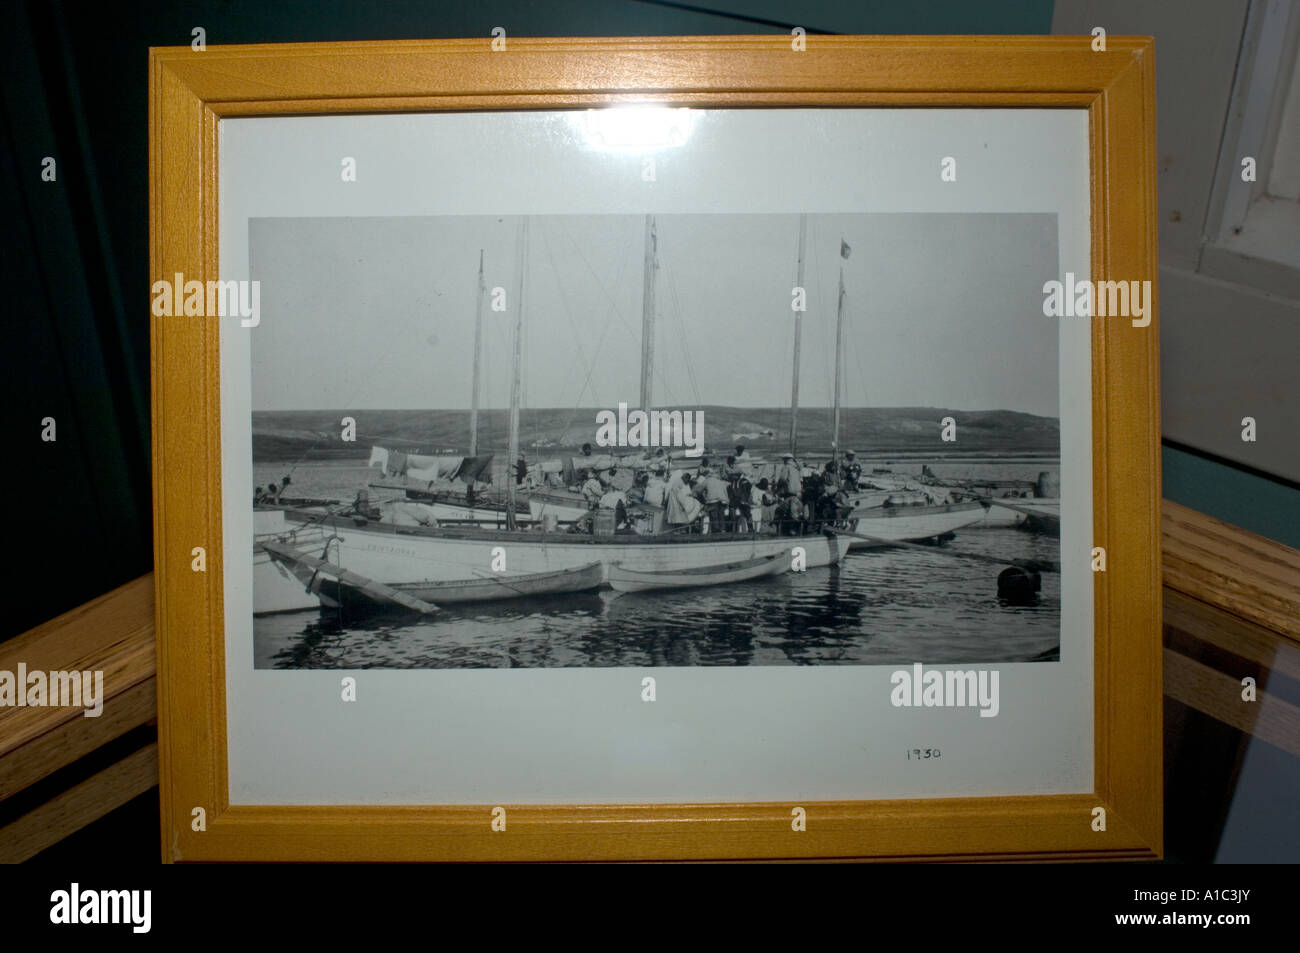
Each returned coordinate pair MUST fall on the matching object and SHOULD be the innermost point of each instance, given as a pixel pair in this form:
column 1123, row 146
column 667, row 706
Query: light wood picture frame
column 192, row 91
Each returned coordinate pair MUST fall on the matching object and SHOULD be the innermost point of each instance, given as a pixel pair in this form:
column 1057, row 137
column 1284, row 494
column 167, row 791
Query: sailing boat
column 872, row 516
column 442, row 502
column 398, row 556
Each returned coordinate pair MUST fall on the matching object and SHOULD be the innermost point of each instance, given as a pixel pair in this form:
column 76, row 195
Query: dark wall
column 76, row 255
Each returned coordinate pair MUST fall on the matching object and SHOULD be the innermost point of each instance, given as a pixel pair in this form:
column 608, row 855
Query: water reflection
column 878, row 607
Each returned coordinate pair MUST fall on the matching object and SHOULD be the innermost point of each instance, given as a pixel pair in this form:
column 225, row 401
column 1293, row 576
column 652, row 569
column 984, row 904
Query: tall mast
column 521, row 264
column 839, row 349
column 478, row 350
column 798, row 331
column 648, row 312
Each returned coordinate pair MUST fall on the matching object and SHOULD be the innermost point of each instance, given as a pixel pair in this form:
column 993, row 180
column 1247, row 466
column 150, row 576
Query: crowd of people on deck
column 724, row 497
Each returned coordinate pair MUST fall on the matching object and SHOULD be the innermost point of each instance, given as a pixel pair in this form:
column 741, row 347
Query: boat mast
column 798, row 332
column 521, row 264
column 478, row 350
column 648, row 312
column 839, row 360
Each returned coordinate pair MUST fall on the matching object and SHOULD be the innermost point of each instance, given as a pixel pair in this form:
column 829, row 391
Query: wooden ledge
column 1249, row 576
column 113, row 634
column 1238, row 573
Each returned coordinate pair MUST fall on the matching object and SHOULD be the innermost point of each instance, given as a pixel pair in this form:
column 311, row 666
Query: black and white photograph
column 558, row 441
column 531, row 418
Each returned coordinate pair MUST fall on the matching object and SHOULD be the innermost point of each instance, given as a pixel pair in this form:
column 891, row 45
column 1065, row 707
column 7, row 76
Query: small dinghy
column 489, row 587
column 629, row 580
column 334, row 586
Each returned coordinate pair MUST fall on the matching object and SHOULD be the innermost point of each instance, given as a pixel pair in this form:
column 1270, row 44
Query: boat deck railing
column 691, row 533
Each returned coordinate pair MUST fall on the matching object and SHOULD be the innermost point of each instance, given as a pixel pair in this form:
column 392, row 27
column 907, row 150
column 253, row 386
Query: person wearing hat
column 850, row 471
column 712, row 492
column 788, row 472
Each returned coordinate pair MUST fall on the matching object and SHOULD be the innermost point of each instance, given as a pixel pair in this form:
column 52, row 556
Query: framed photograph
column 703, row 448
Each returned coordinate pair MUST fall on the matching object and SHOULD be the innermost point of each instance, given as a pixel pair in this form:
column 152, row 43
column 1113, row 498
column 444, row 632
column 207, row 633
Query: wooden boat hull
column 400, row 554
column 507, row 586
column 1032, row 513
column 626, row 580
column 275, row 588
column 911, row 523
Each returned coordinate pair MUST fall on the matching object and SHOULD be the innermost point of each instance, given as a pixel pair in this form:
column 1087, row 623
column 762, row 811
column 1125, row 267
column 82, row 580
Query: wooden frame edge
column 190, row 92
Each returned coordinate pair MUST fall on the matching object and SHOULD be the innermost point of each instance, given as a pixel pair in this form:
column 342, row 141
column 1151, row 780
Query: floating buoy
column 1018, row 587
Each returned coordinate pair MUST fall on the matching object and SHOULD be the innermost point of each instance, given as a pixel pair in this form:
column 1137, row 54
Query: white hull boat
column 625, row 580
column 1031, row 512
column 397, row 555
column 908, row 523
column 275, row 588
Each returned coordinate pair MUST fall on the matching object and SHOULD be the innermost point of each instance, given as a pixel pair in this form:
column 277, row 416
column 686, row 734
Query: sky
column 941, row 310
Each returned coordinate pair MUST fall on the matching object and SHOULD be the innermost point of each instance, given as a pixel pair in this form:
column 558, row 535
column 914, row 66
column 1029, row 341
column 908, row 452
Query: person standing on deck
column 789, row 474
column 760, row 504
column 830, row 479
column 715, row 500
column 683, row 507
column 850, row 471
column 636, row 492
column 744, row 462
column 656, row 488
column 521, row 470
column 790, row 515
column 827, row 505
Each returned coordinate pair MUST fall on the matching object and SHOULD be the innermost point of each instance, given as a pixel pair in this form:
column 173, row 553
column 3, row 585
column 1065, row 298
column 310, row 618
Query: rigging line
column 603, row 334
column 601, row 285
column 661, row 368
column 686, row 351
column 828, row 332
column 568, row 312
column 599, row 344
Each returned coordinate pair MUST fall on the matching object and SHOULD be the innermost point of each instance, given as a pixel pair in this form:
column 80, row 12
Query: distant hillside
column 291, row 435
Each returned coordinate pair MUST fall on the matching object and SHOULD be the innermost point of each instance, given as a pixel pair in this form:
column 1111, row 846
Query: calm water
column 879, row 607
